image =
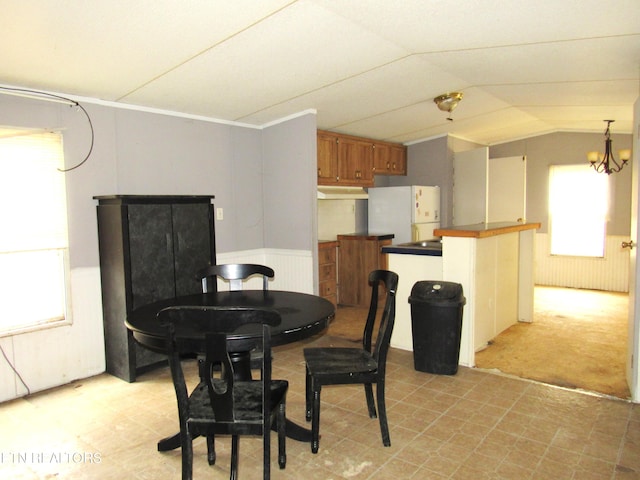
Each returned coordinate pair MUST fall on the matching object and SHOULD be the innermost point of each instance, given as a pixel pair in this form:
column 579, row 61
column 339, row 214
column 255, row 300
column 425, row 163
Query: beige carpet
column 578, row 339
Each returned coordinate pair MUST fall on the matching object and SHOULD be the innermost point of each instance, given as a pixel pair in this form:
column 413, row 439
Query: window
column 578, row 208
column 33, row 244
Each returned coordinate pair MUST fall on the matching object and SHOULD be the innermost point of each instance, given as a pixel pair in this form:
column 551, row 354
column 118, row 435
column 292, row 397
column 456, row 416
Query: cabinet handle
column 319, row 172
column 388, row 166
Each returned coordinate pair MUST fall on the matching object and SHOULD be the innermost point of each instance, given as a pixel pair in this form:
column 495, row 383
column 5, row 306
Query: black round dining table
column 302, row 316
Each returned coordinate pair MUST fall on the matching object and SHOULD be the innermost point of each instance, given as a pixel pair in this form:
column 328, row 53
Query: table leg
column 297, row 432
column 169, row 443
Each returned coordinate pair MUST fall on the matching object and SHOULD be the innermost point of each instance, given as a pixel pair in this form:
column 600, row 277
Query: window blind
column 578, row 210
column 33, row 208
column 33, row 244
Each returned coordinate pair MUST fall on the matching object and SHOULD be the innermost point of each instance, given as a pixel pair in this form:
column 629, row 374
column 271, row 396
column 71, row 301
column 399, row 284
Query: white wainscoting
column 609, row 273
column 293, row 268
column 56, row 356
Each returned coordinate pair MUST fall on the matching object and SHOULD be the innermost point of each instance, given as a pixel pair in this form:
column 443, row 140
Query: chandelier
column 606, row 162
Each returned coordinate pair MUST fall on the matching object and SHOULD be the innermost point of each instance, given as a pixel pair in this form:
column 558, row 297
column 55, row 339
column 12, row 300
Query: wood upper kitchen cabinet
column 389, row 159
column 327, row 144
column 358, row 255
column 355, row 161
column 327, row 268
column 352, row 161
column 344, row 160
column 151, row 248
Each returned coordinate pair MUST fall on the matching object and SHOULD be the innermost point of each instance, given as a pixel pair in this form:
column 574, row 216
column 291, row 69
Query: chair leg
column 211, row 450
column 382, row 411
column 368, row 392
column 266, row 454
column 315, row 421
column 307, row 396
column 234, row 457
column 282, row 436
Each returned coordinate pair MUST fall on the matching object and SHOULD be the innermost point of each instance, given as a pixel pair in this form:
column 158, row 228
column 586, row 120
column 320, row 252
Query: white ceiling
column 368, row 67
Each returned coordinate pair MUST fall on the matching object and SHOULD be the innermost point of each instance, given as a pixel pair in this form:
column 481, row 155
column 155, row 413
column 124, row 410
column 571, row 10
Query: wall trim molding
column 159, row 111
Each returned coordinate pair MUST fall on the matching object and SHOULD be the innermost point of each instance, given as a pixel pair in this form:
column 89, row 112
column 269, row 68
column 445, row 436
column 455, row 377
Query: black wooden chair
column 339, row 366
column 235, row 273
column 225, row 403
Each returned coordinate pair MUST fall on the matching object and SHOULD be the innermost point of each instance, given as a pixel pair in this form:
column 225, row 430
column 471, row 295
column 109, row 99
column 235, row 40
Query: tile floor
column 474, row 425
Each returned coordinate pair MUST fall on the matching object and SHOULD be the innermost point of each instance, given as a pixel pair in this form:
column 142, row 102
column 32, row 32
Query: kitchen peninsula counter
column 494, row 264
column 483, row 230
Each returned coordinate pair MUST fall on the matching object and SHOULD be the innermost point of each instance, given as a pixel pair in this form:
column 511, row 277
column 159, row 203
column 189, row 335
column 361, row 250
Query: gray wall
column 138, row 152
column 569, row 148
column 290, row 178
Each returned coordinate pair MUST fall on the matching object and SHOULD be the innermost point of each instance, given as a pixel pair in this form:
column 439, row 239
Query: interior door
column 633, row 350
column 470, row 186
column 507, row 183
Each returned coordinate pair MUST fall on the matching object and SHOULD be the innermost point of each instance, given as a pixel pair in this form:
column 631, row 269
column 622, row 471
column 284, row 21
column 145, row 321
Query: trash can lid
column 437, row 292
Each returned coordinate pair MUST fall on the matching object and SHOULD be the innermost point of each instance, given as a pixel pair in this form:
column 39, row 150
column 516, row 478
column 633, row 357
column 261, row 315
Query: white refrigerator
column 411, row 213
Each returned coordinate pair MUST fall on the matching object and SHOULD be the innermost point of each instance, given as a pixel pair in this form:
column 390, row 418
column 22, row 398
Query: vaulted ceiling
column 368, row 67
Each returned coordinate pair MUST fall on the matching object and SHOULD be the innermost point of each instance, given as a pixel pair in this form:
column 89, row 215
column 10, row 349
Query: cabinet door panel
column 398, row 160
column 357, row 258
column 192, row 248
column 355, row 161
column 327, row 159
column 151, row 250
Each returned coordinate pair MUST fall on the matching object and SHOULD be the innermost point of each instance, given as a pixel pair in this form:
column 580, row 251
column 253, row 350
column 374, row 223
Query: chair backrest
column 235, row 273
column 214, row 332
column 387, row 318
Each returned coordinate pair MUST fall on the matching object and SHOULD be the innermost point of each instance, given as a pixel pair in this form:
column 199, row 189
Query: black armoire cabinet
column 151, row 247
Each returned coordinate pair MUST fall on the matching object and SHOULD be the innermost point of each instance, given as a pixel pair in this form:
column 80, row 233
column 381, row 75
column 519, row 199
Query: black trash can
column 436, row 323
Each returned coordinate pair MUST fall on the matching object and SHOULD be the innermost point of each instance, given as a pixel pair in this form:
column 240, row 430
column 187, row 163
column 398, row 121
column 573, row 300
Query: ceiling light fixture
column 448, row 102
column 606, row 162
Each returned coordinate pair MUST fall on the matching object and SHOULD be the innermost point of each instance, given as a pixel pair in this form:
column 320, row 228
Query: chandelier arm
column 608, row 164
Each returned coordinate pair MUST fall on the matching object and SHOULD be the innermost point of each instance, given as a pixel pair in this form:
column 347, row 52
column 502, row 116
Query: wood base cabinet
column 327, row 271
column 358, row 255
column 151, row 248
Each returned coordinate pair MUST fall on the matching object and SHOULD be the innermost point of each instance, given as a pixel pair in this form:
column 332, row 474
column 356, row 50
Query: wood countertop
column 366, row 235
column 483, row 230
